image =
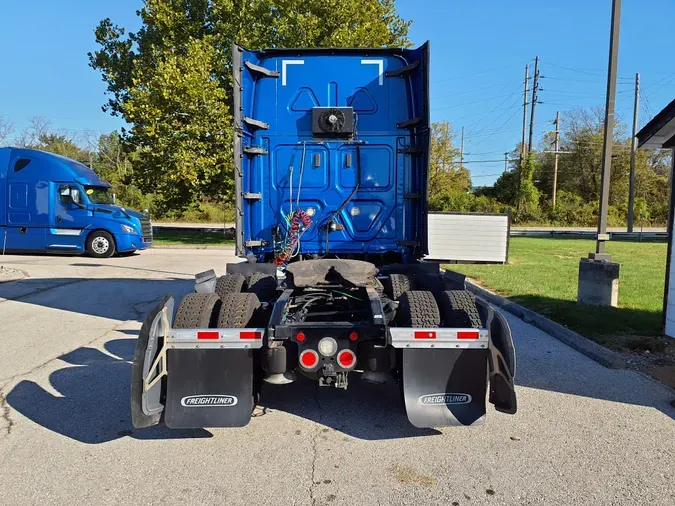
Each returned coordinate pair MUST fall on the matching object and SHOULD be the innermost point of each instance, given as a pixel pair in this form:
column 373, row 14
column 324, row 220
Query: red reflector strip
column 467, row 335
column 250, row 335
column 425, row 335
column 208, row 335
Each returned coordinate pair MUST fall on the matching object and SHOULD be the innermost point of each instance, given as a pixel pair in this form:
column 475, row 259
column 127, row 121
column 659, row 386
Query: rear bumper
column 131, row 242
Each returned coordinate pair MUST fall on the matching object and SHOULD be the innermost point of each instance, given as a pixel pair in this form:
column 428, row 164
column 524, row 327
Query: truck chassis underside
column 206, row 366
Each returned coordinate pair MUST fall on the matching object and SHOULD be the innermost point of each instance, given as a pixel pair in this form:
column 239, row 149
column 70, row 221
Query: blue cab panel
column 34, row 216
column 341, row 134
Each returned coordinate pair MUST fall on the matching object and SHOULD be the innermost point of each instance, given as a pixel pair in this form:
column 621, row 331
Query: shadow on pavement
column 130, row 268
column 95, row 403
column 545, row 363
column 365, row 411
column 115, row 298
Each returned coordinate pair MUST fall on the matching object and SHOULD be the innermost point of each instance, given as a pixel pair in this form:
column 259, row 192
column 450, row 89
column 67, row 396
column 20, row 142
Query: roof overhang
column 660, row 131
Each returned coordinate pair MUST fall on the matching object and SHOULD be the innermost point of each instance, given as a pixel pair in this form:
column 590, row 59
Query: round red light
column 300, row 336
column 353, row 336
column 346, row 358
column 309, row 359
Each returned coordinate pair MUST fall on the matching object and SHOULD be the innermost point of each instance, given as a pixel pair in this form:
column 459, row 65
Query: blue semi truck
column 331, row 156
column 49, row 203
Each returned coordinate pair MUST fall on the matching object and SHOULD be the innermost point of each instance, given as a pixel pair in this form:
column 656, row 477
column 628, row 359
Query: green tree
column 528, row 194
column 641, row 212
column 449, row 182
column 171, row 80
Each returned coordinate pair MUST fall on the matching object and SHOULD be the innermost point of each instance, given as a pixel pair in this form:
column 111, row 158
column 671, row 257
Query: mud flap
column 147, row 406
column 445, row 387
column 209, row 388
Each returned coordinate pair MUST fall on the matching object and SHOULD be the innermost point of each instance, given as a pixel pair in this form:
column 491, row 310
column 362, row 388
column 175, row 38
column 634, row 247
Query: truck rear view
column 331, row 169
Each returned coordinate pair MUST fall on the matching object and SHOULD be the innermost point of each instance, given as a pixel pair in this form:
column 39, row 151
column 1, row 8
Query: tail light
column 327, row 346
column 467, row 334
column 425, row 334
column 309, row 359
column 347, row 359
column 250, row 335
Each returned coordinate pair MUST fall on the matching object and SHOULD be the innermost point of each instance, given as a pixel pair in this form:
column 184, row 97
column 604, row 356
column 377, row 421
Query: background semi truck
column 55, row 204
column 331, row 160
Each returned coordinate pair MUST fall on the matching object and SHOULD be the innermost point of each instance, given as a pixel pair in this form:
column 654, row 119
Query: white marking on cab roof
column 380, row 64
column 283, row 68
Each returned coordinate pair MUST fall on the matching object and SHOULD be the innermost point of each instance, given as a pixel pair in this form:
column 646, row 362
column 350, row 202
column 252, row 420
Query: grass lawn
column 542, row 275
column 173, row 238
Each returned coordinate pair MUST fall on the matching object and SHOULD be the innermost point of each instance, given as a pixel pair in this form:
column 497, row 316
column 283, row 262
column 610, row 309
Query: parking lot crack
column 315, row 442
column 5, row 414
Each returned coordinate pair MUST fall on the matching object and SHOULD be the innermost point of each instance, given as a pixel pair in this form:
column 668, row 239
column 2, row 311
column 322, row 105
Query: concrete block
column 598, row 282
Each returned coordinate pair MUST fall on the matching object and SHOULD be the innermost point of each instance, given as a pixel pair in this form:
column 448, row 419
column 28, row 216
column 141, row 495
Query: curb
column 15, row 276
column 591, row 349
column 190, row 246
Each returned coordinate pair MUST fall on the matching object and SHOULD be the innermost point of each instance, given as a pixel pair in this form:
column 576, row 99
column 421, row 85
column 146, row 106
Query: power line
column 659, row 81
column 496, row 107
column 554, row 78
column 475, row 73
column 469, row 103
column 470, row 91
column 517, row 110
column 661, row 87
column 590, row 72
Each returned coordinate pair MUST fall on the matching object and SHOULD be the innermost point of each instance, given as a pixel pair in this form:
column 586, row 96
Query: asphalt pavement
column 583, row 434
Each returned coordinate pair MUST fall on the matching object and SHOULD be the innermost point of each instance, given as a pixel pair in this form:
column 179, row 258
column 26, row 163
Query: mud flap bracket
column 149, row 366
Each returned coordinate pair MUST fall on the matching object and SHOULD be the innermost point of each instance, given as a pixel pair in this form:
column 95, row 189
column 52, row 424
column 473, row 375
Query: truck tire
column 459, row 310
column 197, row 311
column 237, row 310
column 417, row 309
column 433, row 282
column 264, row 286
column 100, row 244
column 396, row 284
column 230, row 283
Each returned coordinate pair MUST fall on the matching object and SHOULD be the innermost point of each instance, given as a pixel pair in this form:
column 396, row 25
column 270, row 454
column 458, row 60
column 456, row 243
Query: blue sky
column 479, row 52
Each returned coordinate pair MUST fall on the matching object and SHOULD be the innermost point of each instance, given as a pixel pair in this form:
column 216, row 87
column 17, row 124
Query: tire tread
column 230, row 283
column 196, row 311
column 418, row 309
column 459, row 310
column 237, row 310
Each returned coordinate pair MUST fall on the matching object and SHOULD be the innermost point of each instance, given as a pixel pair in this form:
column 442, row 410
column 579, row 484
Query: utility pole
column 461, row 151
column 598, row 275
column 535, row 89
column 609, row 132
column 506, row 161
column 633, row 147
column 527, row 79
column 555, row 162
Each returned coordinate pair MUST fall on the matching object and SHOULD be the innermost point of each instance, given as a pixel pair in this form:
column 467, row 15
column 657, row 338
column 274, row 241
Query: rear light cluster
column 328, row 348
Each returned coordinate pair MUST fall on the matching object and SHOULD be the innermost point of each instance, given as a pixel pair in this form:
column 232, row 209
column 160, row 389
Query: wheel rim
column 100, row 245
